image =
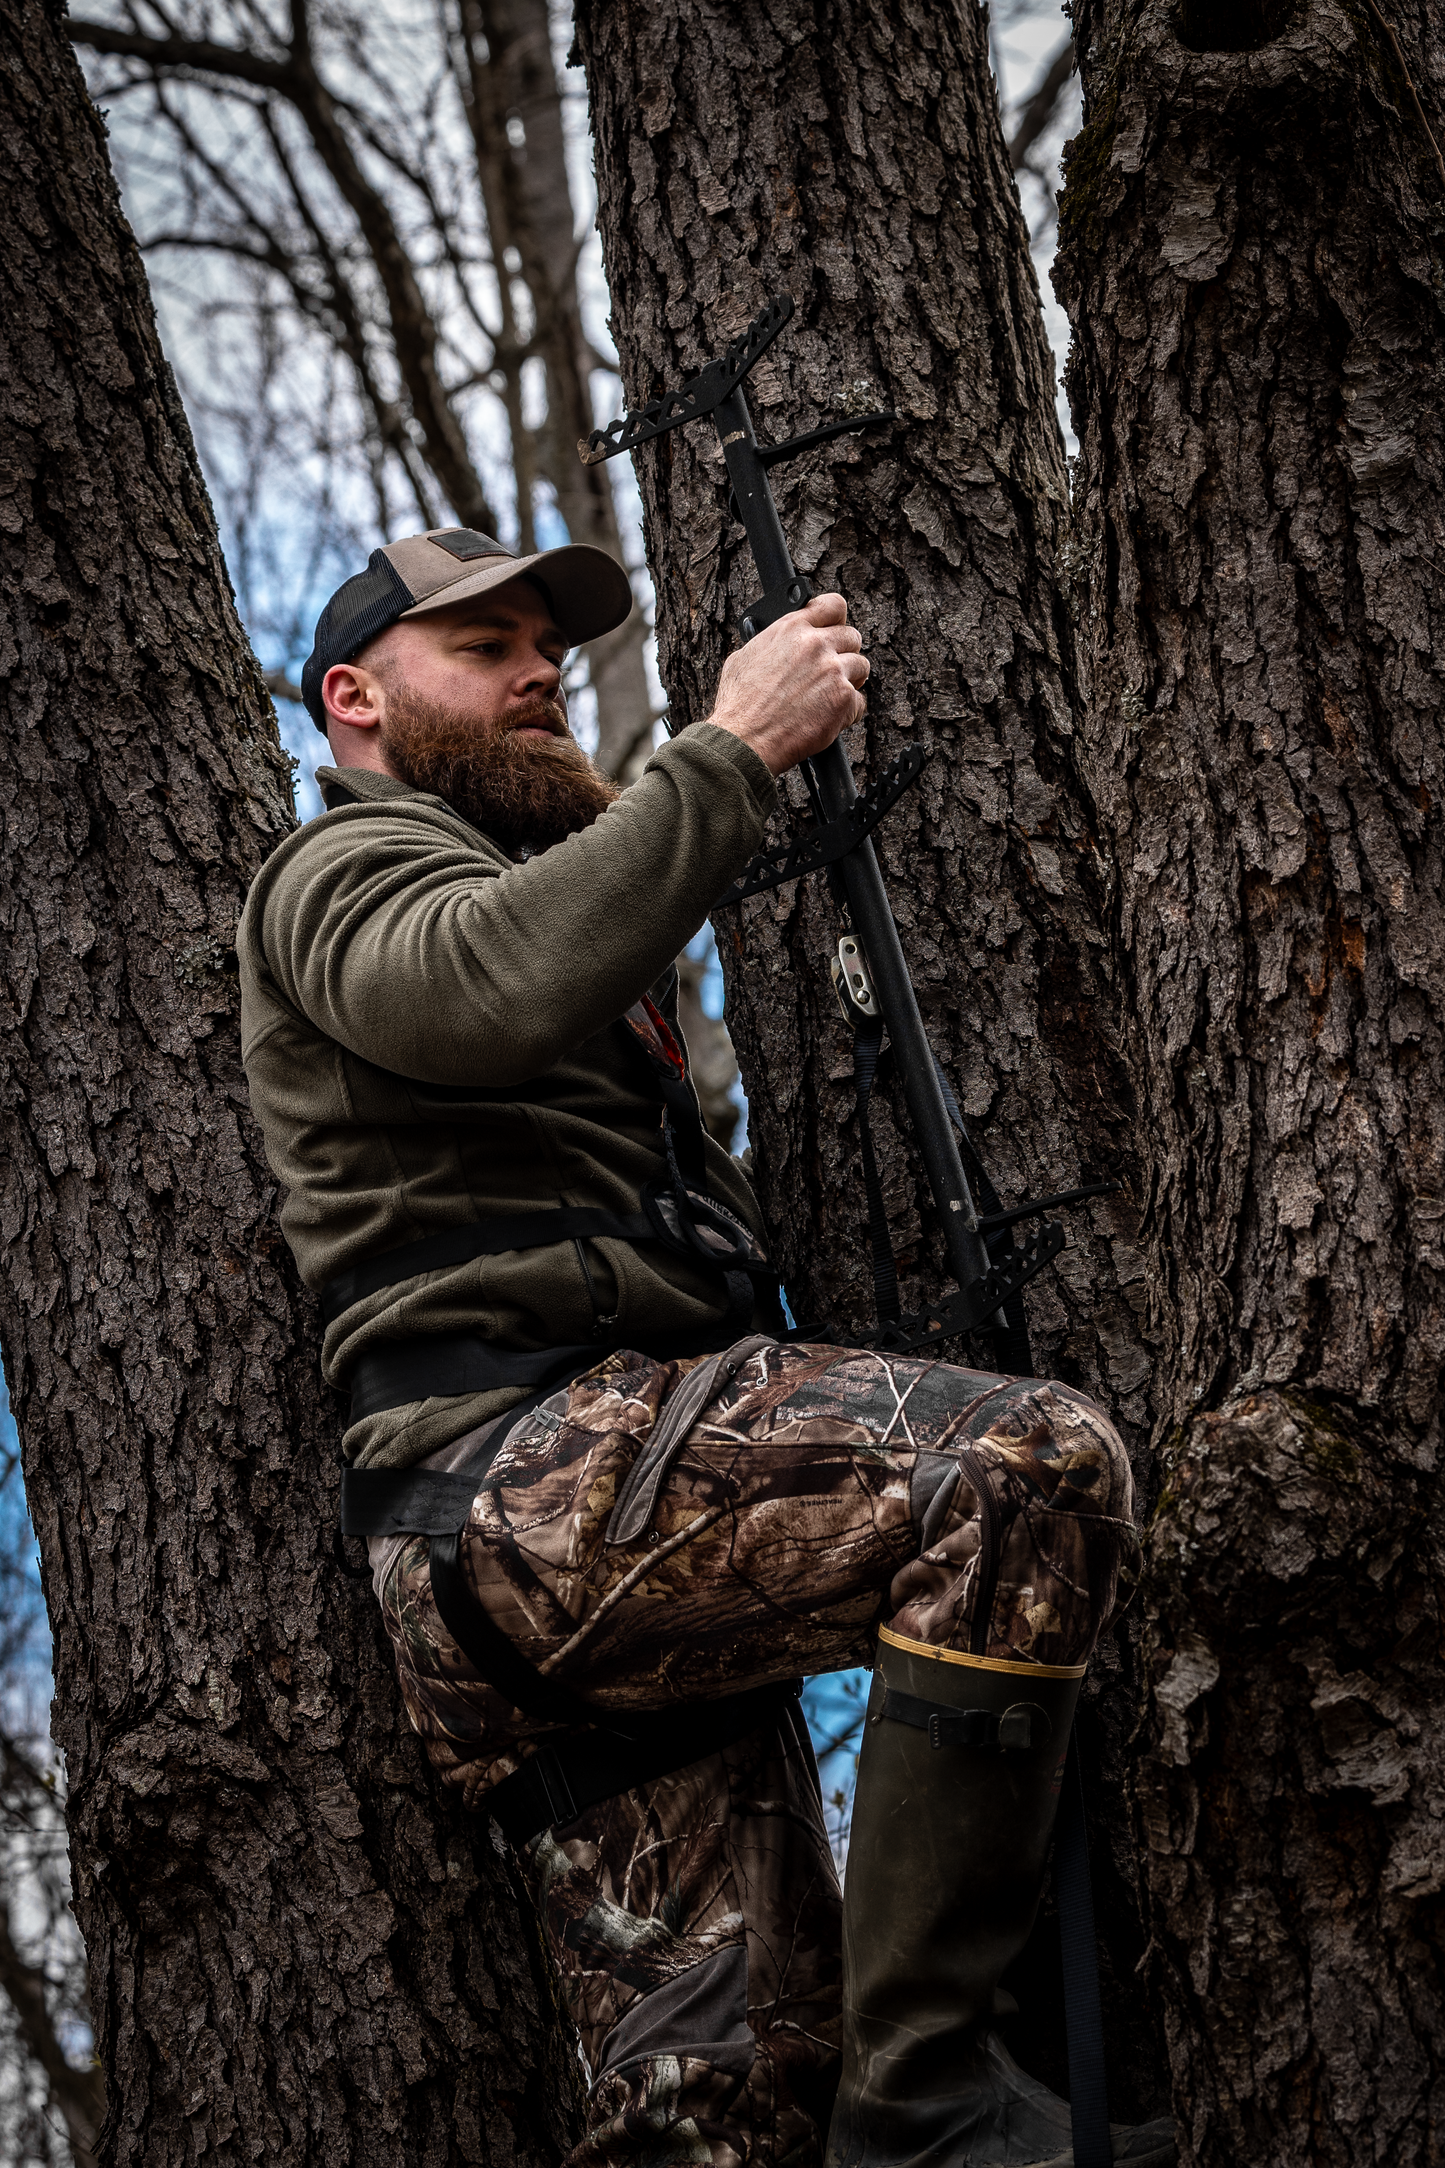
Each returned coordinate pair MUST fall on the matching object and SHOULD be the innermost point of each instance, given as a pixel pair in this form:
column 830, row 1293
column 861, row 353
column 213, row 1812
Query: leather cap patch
column 465, row 542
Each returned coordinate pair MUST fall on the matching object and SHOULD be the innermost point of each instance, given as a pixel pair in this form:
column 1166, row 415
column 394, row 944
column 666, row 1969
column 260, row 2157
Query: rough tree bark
column 852, row 156
column 1252, row 262
column 297, row 1952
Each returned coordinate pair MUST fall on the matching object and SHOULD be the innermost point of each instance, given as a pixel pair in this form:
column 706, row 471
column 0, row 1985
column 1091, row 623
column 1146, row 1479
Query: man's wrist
column 747, row 733
column 743, row 756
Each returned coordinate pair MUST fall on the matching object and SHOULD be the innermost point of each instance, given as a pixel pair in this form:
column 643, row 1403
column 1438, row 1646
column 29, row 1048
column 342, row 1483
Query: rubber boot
column 958, row 1783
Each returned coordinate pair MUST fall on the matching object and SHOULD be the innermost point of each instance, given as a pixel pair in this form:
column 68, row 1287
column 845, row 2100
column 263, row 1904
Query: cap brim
column 591, row 594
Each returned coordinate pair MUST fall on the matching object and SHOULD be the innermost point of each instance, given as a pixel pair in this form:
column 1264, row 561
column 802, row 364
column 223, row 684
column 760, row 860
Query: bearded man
column 613, row 1510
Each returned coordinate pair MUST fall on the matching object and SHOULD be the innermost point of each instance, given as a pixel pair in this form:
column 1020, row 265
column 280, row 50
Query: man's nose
column 540, row 673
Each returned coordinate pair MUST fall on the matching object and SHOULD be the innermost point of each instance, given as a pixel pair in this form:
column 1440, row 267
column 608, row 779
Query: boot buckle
column 961, row 1727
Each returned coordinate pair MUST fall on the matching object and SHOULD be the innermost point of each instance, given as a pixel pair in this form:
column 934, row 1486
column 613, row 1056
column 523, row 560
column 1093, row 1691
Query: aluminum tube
column 874, row 925
column 753, row 491
column 867, row 898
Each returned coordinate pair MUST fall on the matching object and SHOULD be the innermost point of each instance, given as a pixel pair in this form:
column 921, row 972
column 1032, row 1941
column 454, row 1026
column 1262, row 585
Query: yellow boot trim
column 979, row 1663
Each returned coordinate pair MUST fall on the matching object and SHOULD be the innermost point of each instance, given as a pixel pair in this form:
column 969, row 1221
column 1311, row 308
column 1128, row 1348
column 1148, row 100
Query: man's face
column 494, row 662
column 468, row 703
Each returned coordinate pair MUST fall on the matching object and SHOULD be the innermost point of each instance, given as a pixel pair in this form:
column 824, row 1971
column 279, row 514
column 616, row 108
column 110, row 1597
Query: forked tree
column 1177, row 850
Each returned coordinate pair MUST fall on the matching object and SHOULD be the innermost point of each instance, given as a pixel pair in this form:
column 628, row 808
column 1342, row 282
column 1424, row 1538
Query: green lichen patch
column 1327, row 1442
column 1086, row 174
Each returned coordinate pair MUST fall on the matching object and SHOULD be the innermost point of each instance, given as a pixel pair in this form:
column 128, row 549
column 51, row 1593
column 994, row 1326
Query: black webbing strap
column 405, row 1501
column 376, row 1381
column 492, row 1656
column 1083, row 2013
column 965, row 1727
column 426, row 1501
column 867, row 1046
column 442, row 1365
column 561, row 1781
column 608, row 1753
column 682, row 1121
column 491, row 1237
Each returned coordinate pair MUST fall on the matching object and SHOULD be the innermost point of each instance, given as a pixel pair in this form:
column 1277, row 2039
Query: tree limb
column 78, row 2094
column 198, row 53
column 414, row 333
column 1042, row 106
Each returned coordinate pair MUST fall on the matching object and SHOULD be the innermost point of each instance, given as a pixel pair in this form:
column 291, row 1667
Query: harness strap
column 443, row 1365
column 608, row 1753
column 494, row 1658
column 425, row 1501
column 405, row 1501
column 561, row 1781
column 491, row 1237
column 679, row 1213
column 1023, row 1726
column 648, row 1038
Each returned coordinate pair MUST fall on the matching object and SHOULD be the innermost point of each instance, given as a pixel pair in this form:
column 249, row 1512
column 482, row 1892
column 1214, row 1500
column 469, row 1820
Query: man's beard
column 519, row 791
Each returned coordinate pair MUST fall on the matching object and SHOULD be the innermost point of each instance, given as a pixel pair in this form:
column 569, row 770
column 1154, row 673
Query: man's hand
column 790, row 691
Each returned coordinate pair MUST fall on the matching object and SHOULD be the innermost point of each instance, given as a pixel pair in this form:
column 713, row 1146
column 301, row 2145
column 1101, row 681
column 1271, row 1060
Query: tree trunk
column 852, row 156
column 297, row 1951
column 1251, row 260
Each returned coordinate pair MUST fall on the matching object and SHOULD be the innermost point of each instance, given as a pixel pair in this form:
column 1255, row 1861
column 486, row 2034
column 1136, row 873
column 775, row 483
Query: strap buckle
column 1020, row 1728
column 852, row 984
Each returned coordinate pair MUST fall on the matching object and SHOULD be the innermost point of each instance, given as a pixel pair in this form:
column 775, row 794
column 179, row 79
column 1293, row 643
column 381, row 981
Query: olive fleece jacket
column 401, row 976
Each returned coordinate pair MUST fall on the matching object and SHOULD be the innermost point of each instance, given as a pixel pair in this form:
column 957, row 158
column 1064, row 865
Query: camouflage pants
column 694, row 1921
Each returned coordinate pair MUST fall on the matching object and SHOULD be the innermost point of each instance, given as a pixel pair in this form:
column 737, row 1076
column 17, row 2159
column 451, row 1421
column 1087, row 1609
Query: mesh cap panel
column 362, row 607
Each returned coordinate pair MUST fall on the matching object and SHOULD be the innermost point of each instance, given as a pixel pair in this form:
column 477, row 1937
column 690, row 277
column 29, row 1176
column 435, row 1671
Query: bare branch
column 198, row 54
column 1042, row 106
column 78, row 2094
column 414, row 333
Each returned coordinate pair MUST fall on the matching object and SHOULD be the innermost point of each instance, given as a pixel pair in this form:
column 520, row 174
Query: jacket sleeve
column 418, row 952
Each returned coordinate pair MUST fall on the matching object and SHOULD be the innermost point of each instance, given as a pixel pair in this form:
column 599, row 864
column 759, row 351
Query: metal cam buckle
column 851, row 982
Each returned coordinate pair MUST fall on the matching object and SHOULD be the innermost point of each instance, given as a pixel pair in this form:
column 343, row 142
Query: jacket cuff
column 718, row 748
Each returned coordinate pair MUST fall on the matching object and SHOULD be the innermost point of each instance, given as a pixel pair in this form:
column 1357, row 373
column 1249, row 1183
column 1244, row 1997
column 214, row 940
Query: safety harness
column 605, row 1752
column 677, row 1212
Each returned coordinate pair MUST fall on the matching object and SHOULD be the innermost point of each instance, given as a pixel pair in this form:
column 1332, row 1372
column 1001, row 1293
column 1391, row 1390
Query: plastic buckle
column 1016, row 1726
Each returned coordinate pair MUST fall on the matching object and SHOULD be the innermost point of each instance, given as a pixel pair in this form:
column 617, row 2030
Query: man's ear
column 352, row 694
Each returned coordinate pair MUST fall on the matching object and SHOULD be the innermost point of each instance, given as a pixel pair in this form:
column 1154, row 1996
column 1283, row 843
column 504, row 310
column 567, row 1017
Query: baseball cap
column 588, row 591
